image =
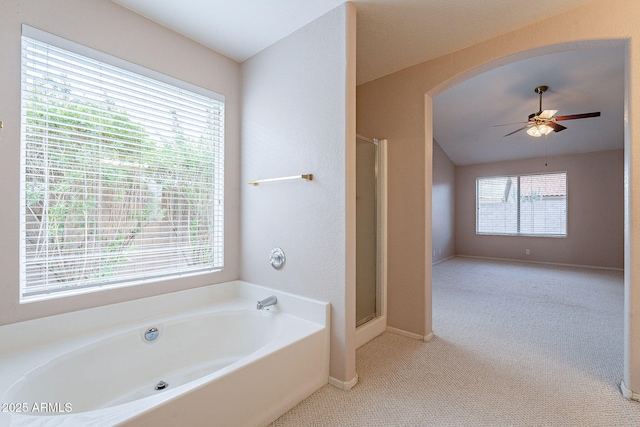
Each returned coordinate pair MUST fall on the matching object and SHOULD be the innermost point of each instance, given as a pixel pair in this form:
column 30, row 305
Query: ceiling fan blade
column 555, row 126
column 517, row 130
column 547, row 114
column 509, row 124
column 578, row 116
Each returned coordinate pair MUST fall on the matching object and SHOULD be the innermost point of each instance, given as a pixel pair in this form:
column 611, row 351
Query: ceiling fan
column 543, row 122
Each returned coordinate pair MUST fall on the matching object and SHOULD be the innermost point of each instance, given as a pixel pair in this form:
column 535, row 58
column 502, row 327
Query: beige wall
column 398, row 108
column 443, row 207
column 595, row 212
column 105, row 26
column 299, row 117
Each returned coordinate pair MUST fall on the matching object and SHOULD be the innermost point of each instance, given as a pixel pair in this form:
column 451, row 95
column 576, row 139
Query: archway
column 631, row 348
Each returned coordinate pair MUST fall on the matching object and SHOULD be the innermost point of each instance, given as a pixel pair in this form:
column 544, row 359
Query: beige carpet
column 516, row 345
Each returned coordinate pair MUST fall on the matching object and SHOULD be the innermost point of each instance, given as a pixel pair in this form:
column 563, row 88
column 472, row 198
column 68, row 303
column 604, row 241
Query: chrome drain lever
column 151, row 334
column 162, row 385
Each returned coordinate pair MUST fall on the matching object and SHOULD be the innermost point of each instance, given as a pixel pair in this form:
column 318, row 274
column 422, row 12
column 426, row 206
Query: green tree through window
column 122, row 180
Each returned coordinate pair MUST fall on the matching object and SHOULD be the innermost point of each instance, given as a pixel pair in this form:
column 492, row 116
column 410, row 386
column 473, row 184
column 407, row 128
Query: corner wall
column 443, row 226
column 394, row 108
column 595, row 212
column 299, row 117
column 107, row 27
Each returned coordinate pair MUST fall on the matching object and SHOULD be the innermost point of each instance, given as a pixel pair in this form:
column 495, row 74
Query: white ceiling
column 395, row 34
column 237, row 29
column 391, row 34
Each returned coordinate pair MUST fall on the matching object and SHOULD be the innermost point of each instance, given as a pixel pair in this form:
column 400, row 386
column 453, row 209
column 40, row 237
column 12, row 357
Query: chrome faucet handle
column 277, row 259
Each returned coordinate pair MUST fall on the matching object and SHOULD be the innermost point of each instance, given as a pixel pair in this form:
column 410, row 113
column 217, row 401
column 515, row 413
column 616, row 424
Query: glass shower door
column 366, row 230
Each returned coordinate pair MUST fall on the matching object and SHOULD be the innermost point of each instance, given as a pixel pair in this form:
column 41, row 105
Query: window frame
column 93, row 54
column 518, row 209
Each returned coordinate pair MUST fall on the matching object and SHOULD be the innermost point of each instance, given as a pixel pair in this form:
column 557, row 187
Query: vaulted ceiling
column 395, row 34
column 583, row 81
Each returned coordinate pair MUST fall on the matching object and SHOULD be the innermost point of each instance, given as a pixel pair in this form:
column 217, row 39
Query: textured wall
column 298, row 117
column 394, row 107
column 107, row 27
column 595, row 212
column 443, row 225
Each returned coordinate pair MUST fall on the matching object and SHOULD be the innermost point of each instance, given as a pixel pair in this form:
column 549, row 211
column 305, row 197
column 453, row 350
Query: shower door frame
column 377, row 325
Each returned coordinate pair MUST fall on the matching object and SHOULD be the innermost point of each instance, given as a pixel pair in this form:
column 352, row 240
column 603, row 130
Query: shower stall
column 370, row 237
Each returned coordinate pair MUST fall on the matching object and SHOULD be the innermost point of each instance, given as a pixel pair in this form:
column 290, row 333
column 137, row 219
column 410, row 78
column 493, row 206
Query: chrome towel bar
column 308, row 177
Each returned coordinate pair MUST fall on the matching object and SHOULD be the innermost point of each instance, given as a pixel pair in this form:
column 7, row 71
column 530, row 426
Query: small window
column 531, row 205
column 122, row 174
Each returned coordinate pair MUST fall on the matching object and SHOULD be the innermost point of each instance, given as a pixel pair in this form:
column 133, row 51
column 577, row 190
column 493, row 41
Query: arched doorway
column 631, row 351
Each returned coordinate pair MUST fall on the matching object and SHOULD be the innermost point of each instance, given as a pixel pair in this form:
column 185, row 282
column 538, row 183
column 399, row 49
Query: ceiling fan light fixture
column 538, row 123
column 539, row 130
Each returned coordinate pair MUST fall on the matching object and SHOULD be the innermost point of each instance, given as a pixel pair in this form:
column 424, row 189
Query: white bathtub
column 225, row 363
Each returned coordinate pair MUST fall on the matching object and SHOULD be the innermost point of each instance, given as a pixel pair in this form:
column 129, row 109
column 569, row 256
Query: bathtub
column 215, row 361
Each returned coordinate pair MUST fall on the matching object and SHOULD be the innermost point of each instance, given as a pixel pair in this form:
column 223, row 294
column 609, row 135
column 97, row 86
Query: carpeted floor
column 516, row 344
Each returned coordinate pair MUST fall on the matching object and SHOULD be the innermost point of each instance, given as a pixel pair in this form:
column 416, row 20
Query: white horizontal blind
column 533, row 205
column 497, row 205
column 122, row 175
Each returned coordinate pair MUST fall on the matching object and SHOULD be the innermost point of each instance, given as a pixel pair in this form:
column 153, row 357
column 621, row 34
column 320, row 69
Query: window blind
column 533, row 204
column 122, row 175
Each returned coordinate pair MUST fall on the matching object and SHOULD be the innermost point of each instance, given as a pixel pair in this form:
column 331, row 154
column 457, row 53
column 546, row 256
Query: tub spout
column 272, row 300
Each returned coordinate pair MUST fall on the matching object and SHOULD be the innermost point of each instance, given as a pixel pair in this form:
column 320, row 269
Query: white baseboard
column 443, row 259
column 402, row 332
column 629, row 394
column 344, row 385
column 596, row 267
column 370, row 330
column 429, row 336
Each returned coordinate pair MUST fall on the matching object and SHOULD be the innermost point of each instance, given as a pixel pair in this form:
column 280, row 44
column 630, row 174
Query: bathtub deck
column 251, row 391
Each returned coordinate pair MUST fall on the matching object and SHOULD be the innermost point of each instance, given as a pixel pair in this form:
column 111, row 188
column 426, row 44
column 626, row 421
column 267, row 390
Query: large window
column 122, row 172
column 533, row 205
